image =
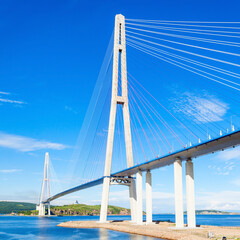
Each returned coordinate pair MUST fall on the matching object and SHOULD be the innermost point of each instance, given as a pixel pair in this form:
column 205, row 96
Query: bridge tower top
column 119, row 59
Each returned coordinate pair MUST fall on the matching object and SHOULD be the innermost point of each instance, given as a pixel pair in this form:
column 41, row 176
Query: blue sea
column 31, row 228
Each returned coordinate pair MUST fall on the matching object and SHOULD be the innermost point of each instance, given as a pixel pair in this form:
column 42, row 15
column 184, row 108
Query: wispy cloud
column 21, row 196
column 224, row 162
column 10, row 101
column 26, row 144
column 164, row 201
column 4, row 93
column 201, row 108
column 223, row 200
column 236, row 182
column 227, row 155
column 10, row 170
column 70, row 109
column 6, row 100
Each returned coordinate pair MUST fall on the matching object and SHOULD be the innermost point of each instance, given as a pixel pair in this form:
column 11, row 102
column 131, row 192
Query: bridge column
column 149, row 197
column 49, row 212
column 105, row 196
column 41, row 209
column 139, row 198
column 191, row 217
column 178, row 186
column 133, row 200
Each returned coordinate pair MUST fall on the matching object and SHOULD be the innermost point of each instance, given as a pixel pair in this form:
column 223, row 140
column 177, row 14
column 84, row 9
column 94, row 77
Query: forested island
column 20, row 208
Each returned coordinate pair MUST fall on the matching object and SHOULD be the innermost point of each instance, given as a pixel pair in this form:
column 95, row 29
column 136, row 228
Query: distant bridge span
column 223, row 142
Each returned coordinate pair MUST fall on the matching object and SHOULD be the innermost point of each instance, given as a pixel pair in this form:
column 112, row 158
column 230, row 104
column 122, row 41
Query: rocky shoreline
column 160, row 230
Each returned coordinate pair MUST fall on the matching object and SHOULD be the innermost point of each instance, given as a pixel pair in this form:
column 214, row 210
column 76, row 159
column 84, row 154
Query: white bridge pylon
column 136, row 195
column 119, row 56
column 45, row 187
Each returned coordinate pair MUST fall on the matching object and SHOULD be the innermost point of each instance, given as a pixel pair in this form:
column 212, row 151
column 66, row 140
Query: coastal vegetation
column 20, row 208
column 87, row 210
column 9, row 207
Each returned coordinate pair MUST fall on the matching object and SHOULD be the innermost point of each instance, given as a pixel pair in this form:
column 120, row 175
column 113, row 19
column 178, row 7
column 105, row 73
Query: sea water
column 214, row 220
column 45, row 228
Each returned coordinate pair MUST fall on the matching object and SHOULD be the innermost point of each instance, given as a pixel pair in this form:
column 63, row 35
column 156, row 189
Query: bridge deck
column 210, row 146
column 226, row 141
column 75, row 189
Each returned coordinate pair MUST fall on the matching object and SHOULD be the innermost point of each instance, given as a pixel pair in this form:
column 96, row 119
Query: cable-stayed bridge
column 148, row 134
column 211, row 146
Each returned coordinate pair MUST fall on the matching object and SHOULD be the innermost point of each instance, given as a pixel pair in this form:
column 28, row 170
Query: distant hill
column 213, row 212
column 8, row 207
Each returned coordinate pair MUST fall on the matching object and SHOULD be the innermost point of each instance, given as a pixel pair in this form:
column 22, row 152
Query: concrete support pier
column 133, row 200
column 148, row 197
column 139, row 198
column 178, row 186
column 105, row 196
column 191, row 216
column 49, row 211
column 41, row 209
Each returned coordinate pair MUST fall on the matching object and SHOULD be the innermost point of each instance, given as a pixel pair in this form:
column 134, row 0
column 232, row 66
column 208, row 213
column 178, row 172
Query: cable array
column 215, row 62
column 208, row 50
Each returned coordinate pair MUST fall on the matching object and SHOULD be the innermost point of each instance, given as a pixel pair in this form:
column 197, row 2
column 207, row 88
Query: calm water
column 30, row 228
column 216, row 220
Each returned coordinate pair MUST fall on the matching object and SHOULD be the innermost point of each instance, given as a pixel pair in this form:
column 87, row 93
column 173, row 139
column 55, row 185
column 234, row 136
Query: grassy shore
column 28, row 209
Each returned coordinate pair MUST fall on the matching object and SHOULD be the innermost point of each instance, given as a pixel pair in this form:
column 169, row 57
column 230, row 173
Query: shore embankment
column 160, row 230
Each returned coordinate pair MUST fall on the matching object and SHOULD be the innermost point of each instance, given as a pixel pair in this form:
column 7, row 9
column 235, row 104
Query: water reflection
column 137, row 237
column 103, row 234
column 149, row 238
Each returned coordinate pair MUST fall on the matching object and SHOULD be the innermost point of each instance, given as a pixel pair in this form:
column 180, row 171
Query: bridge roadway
column 225, row 141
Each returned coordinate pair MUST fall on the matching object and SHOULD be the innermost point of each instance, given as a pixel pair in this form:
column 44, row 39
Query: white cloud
column 236, row 182
column 121, row 196
column 164, row 201
column 225, row 161
column 21, row 196
column 70, row 109
column 6, row 100
column 10, row 101
column 25, row 144
column 4, row 93
column 10, row 170
column 228, row 155
column 162, row 195
column 202, row 108
column 223, row 200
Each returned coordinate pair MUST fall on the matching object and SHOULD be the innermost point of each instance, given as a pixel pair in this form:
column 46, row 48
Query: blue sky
column 51, row 54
